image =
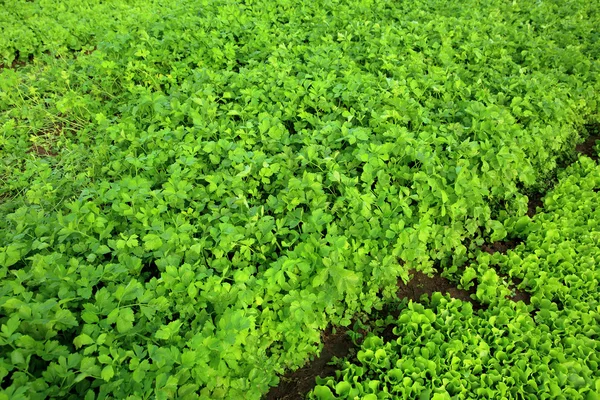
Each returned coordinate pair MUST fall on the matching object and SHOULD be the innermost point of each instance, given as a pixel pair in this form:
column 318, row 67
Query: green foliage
column 191, row 191
column 548, row 349
column 558, row 262
column 445, row 350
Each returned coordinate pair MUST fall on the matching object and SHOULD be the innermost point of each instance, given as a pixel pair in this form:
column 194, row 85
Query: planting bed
column 194, row 193
column 545, row 348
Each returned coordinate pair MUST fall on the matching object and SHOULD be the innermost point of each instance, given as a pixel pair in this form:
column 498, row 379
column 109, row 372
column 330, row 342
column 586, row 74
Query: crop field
column 325, row 199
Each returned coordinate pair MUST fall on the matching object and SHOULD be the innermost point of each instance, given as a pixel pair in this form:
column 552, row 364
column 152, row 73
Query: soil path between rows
column 297, row 384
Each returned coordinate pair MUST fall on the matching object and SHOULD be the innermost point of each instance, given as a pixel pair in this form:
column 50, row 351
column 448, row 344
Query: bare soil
column 295, row 385
column 501, row 246
column 587, row 147
column 41, row 151
column 421, row 284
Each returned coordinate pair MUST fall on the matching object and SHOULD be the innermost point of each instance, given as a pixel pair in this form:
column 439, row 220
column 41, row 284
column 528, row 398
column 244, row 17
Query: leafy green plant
column 191, row 191
column 445, row 350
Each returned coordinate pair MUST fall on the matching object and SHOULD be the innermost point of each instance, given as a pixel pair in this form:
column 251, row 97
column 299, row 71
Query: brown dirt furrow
column 295, row 385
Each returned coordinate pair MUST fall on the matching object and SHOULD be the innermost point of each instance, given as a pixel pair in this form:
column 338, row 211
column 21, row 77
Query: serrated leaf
column 89, row 317
column 107, row 373
column 152, row 242
column 320, row 278
column 82, row 340
column 125, row 320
